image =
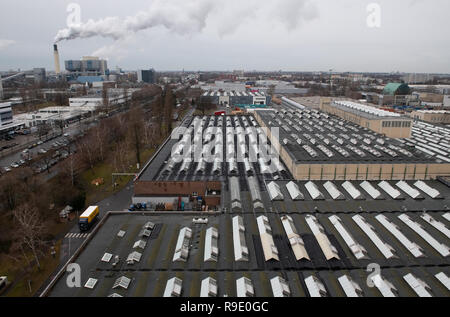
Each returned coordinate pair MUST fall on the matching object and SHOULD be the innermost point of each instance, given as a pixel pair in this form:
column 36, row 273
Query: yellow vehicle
column 88, row 217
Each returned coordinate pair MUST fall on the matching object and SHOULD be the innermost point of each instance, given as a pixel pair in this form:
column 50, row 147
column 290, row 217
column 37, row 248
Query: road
column 15, row 157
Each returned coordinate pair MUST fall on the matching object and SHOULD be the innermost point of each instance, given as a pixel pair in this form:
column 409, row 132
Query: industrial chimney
column 56, row 55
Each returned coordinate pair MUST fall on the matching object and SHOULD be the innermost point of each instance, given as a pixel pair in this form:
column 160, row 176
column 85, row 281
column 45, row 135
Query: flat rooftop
column 150, row 275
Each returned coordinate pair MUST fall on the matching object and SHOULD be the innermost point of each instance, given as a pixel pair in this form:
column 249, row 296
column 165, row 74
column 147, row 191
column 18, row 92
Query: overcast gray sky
column 310, row 35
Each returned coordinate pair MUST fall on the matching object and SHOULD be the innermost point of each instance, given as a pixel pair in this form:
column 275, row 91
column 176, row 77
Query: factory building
column 146, row 76
column 54, row 115
column 383, row 122
column 432, row 116
column 235, row 98
column 316, row 146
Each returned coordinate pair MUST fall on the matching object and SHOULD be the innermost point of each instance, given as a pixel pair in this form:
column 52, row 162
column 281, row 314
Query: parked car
column 40, row 142
column 21, row 162
column 14, row 165
column 7, row 169
column 42, row 151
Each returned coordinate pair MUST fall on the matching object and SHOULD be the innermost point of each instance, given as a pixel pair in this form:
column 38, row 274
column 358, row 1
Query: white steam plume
column 181, row 16
column 190, row 16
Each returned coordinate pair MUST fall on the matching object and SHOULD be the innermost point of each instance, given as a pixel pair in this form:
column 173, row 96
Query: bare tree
column 105, row 99
column 9, row 192
column 168, row 108
column 30, row 229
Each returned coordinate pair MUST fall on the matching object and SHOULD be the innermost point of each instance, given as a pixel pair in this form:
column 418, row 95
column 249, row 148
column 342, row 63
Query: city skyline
column 310, row 36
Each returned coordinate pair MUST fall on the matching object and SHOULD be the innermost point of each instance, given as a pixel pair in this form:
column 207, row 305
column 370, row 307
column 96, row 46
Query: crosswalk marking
column 74, row 235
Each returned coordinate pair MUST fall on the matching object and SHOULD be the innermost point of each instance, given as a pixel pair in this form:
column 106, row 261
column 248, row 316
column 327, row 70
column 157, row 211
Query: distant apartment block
column 146, row 76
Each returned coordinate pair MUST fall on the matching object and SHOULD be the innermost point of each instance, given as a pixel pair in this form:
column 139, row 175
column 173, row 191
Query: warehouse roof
column 313, row 136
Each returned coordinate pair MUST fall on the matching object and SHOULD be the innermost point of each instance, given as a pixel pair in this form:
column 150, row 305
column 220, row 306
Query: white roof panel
column 371, row 190
column 209, row 288
column 297, row 244
column 384, row 286
column 173, row 287
column 444, row 279
column 433, row 193
column 439, row 247
column 315, row 287
column 333, row 191
column 280, row 287
column 313, row 191
column 391, row 191
column 235, row 193
column 413, row 193
column 134, row 257
column 352, row 190
column 294, row 191
column 91, row 282
column 396, row 232
column 385, row 249
column 244, row 287
column 358, row 250
column 182, row 247
column 265, row 233
column 239, row 242
column 328, row 249
column 446, row 216
column 211, row 245
column 420, row 287
column 122, row 282
column 107, row 257
column 436, row 224
column 350, row 287
column 274, row 191
column 140, row 244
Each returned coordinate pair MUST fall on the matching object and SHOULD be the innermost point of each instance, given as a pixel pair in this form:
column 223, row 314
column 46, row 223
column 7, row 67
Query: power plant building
column 88, row 66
